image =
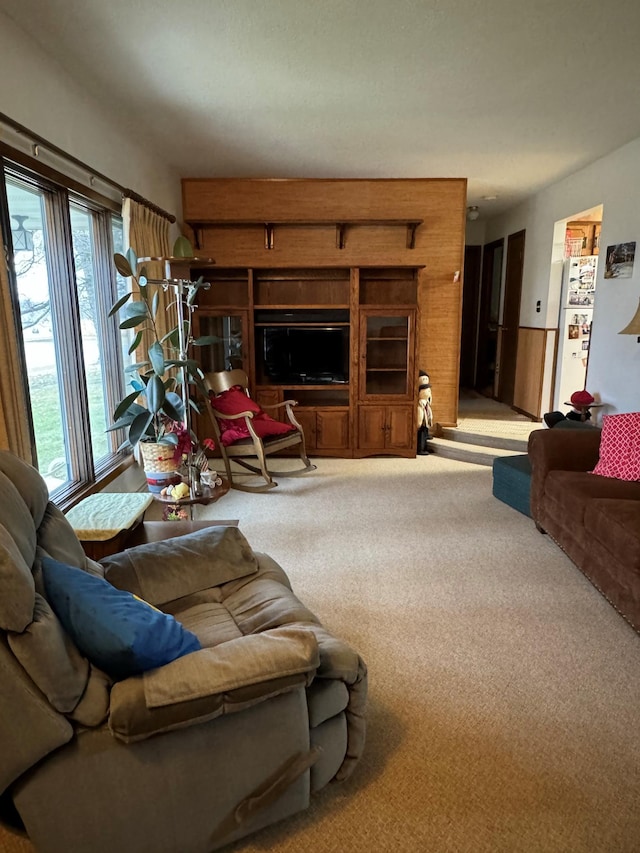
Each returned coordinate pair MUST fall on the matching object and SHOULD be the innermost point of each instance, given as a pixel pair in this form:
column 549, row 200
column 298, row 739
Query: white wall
column 614, row 360
column 36, row 92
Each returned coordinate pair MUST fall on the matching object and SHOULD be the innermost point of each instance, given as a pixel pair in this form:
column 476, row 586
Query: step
column 478, row 454
column 513, row 445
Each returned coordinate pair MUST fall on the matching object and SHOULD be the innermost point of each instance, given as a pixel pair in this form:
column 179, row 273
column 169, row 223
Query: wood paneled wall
column 227, row 217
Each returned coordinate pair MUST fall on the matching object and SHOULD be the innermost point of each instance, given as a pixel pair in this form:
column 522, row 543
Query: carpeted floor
column 484, row 416
column 504, row 690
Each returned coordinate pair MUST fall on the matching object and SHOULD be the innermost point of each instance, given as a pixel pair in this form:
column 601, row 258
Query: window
column 65, row 283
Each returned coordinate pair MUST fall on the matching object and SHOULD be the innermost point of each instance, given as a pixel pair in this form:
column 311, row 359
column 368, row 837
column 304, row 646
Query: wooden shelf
column 341, row 227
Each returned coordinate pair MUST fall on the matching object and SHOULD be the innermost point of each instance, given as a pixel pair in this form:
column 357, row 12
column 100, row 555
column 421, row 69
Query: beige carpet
column 504, row 690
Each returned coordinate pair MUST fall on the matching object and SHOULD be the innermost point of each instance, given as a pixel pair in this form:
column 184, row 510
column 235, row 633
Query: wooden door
column 400, row 433
column 270, row 397
column 511, row 318
column 387, row 354
column 332, row 428
column 487, row 351
column 470, row 301
column 307, row 420
column 372, row 421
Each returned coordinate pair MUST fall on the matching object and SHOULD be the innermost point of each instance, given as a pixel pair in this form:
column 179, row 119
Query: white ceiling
column 512, row 94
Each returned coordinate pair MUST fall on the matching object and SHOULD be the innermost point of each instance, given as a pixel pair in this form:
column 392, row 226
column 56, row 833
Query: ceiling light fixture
column 473, row 212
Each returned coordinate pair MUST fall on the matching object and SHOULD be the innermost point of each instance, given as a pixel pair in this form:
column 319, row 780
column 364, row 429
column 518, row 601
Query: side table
column 176, row 510
column 103, row 522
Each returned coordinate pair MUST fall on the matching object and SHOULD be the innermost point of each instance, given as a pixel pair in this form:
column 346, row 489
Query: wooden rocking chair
column 250, row 440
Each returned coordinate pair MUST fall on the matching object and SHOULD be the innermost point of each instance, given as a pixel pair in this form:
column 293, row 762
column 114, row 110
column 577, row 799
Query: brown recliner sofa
column 187, row 756
column 594, row 519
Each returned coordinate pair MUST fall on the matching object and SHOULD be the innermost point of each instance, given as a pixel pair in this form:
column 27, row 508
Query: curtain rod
column 148, row 204
column 37, row 140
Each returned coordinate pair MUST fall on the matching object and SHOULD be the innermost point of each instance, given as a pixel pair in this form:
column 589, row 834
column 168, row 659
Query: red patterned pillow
column 620, row 447
column 234, row 401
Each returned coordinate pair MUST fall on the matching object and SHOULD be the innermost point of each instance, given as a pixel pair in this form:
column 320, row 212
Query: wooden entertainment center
column 323, row 292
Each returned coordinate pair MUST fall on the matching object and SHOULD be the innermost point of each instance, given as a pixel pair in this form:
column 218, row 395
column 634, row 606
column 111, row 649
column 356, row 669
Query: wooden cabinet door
column 372, row 421
column 387, row 344
column 231, row 350
column 400, row 434
column 269, row 397
column 307, row 420
column 332, row 428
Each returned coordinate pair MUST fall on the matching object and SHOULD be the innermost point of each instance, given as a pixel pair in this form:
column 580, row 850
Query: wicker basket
column 157, row 458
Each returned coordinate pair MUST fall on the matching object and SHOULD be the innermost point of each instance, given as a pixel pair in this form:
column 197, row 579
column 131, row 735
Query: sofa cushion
column 571, row 491
column 161, row 572
column 616, row 525
column 117, row 632
column 233, row 402
column 620, row 447
column 211, row 623
column 52, row 661
column 16, row 581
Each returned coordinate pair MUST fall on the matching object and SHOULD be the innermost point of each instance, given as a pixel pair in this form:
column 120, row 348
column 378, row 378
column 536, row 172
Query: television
column 297, row 355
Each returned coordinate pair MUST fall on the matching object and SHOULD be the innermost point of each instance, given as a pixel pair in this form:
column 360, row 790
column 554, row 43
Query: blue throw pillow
column 119, row 633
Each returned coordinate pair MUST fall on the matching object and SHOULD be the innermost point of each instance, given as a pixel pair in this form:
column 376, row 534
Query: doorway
column 511, row 318
column 470, row 299
column 573, row 290
column 489, row 315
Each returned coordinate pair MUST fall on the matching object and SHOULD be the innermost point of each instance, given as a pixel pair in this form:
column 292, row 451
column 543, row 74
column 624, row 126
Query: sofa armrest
column 562, row 450
column 340, row 661
column 163, row 571
column 205, row 684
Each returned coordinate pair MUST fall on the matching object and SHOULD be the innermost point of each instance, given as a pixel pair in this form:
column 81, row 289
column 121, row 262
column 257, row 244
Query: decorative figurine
column 425, row 415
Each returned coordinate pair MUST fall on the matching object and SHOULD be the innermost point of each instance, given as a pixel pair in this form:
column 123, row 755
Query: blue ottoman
column 512, row 481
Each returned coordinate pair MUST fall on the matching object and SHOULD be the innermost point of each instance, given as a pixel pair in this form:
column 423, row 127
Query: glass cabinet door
column 385, row 350
column 230, row 351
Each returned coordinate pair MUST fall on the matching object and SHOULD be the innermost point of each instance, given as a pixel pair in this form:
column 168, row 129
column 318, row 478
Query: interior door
column 470, row 298
column 511, row 318
column 489, row 311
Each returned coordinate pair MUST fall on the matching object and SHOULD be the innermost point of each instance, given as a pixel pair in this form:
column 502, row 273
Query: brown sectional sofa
column 595, row 520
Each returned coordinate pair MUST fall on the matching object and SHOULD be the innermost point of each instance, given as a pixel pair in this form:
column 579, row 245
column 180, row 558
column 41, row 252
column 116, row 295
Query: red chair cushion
column 232, row 402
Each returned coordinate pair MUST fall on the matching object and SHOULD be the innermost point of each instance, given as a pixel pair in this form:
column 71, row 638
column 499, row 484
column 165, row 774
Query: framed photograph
column 585, row 345
column 574, row 332
column 580, row 297
column 619, row 260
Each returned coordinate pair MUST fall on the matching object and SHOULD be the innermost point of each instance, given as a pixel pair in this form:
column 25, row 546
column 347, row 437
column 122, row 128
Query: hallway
column 482, row 415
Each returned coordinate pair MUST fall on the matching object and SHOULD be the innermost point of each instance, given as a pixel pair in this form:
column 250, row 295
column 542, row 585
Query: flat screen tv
column 300, row 355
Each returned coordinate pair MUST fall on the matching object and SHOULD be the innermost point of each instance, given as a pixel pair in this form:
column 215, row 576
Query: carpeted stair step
column 513, row 445
column 478, row 454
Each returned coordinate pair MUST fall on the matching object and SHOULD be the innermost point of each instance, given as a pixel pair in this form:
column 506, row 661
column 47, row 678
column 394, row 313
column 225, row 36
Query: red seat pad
column 232, row 402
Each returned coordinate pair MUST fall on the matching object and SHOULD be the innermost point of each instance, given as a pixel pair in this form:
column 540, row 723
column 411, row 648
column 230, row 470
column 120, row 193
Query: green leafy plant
column 155, row 410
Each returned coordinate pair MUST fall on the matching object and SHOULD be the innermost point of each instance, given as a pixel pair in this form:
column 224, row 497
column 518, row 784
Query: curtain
column 147, row 233
column 14, row 418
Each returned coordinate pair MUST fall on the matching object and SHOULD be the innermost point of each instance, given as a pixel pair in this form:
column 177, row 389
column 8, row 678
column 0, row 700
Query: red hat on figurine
column 581, row 398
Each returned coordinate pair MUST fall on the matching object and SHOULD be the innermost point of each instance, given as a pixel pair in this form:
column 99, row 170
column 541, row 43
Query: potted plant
column 155, row 414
